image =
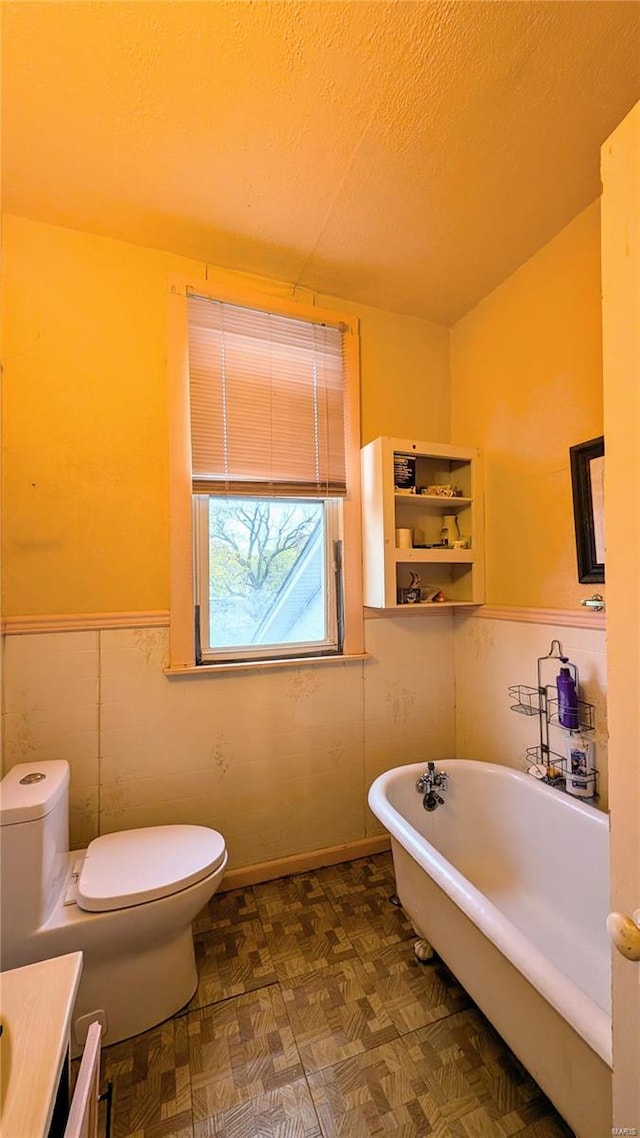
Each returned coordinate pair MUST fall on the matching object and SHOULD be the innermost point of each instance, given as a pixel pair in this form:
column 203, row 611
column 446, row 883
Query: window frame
column 182, row 652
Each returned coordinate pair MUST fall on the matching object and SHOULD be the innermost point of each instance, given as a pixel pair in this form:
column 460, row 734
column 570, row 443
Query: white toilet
column 127, row 902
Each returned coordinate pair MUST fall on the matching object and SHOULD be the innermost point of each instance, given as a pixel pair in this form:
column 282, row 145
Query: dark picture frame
column 587, row 481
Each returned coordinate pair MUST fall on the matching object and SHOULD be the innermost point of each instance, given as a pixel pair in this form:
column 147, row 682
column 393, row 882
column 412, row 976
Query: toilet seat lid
column 134, row 866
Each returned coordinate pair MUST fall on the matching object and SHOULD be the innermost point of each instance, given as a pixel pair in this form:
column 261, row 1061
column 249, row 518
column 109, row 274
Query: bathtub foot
column 423, row 950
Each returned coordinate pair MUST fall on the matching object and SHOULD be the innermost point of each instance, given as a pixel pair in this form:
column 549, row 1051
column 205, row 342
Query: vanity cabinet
column 36, row 1008
column 412, row 486
column 83, row 1115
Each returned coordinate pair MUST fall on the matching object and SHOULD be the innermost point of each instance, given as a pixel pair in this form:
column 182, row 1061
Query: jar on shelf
column 450, row 530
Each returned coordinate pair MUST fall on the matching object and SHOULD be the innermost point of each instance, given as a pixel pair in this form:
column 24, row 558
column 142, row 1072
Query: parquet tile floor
column 312, row 1019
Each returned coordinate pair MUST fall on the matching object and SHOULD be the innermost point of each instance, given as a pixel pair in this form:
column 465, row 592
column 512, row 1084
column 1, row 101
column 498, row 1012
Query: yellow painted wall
column 86, row 526
column 405, row 375
column 526, row 375
column 86, row 521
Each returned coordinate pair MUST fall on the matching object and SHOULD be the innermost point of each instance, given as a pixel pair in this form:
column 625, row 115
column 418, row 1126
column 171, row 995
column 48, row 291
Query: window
column 268, row 576
column 271, row 432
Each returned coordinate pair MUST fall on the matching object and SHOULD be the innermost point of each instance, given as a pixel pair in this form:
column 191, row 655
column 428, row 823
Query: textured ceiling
column 405, row 155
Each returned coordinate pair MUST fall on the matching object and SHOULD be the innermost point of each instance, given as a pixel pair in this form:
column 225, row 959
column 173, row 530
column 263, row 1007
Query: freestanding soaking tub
column 509, row 881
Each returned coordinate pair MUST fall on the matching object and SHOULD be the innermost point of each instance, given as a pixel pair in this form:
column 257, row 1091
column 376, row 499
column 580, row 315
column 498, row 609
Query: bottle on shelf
column 450, row 530
column 567, row 699
column 580, row 767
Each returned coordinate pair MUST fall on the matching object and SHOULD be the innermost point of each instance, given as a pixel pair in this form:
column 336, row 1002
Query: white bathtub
column 509, row 881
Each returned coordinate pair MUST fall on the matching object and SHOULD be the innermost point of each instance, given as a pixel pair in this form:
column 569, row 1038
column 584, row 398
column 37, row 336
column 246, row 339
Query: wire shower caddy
column 542, row 701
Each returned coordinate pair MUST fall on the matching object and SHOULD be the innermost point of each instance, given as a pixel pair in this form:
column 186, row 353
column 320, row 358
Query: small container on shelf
column 580, row 767
column 450, row 530
column 404, row 538
column 445, row 491
column 544, row 766
column 404, row 474
column 432, row 596
column 411, row 594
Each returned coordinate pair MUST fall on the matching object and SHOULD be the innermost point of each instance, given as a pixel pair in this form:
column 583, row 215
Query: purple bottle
column 567, row 700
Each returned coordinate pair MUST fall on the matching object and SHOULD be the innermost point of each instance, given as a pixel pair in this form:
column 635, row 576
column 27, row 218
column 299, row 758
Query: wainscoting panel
column 492, row 654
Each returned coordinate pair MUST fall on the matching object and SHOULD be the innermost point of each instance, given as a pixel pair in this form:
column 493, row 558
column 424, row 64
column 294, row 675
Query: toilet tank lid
column 27, row 801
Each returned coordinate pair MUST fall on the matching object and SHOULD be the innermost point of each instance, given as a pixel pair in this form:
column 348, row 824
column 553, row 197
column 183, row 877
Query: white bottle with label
column 580, row 766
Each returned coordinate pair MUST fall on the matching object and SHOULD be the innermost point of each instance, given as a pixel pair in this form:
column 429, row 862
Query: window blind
column 267, row 402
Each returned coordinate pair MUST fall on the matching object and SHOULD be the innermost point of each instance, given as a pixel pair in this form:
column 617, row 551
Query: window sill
column 177, row 670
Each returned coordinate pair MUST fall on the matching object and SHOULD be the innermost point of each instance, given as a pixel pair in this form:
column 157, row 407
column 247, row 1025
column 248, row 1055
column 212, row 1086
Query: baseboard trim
column 563, row 618
column 83, row 622
column 302, row 863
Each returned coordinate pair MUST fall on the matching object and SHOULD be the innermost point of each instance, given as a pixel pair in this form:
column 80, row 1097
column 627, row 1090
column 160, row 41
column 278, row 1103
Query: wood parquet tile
column 421, row 1084
column 370, row 921
column 360, row 877
column 547, row 1128
column 379, row 1092
column 225, row 910
column 287, row 1112
column 461, row 1058
column 336, row 1012
column 312, row 1019
column 152, row 1083
column 239, row 1050
column 232, row 960
column 360, row 893
column 414, row 994
column 288, row 895
column 305, row 939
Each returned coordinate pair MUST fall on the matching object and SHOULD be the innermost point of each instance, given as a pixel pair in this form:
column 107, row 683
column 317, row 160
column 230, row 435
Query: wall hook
column 555, row 652
column 595, row 603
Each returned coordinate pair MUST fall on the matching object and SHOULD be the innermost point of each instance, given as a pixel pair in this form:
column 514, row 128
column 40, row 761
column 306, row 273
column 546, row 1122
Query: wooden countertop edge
column 36, row 1006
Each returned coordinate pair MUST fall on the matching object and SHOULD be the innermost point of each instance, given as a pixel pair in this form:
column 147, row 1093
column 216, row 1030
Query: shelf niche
column 457, row 573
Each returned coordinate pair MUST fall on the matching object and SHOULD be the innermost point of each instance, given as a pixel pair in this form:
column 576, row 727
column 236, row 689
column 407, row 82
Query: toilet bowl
column 127, row 902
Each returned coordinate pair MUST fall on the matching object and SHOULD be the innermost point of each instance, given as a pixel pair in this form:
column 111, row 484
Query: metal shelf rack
column 542, row 701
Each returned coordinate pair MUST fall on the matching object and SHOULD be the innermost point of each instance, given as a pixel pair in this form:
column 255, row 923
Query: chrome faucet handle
column 424, row 782
column 430, row 778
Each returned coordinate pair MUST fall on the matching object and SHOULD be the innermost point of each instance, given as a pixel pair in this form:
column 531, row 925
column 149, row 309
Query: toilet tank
column 34, row 840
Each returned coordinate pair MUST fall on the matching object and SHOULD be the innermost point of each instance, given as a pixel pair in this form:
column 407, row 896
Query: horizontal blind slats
column 267, row 399
column 249, row 488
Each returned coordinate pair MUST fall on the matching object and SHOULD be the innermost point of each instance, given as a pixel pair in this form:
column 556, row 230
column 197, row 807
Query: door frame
column 620, row 164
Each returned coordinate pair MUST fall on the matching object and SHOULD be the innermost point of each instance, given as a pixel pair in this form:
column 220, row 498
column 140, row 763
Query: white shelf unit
column 457, row 573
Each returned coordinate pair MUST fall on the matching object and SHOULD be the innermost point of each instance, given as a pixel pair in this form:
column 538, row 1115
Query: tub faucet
column 429, row 784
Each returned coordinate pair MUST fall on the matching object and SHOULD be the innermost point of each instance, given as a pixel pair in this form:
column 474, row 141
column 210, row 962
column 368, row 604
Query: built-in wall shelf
column 435, row 500
column 434, row 556
column 424, row 607
column 407, row 560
